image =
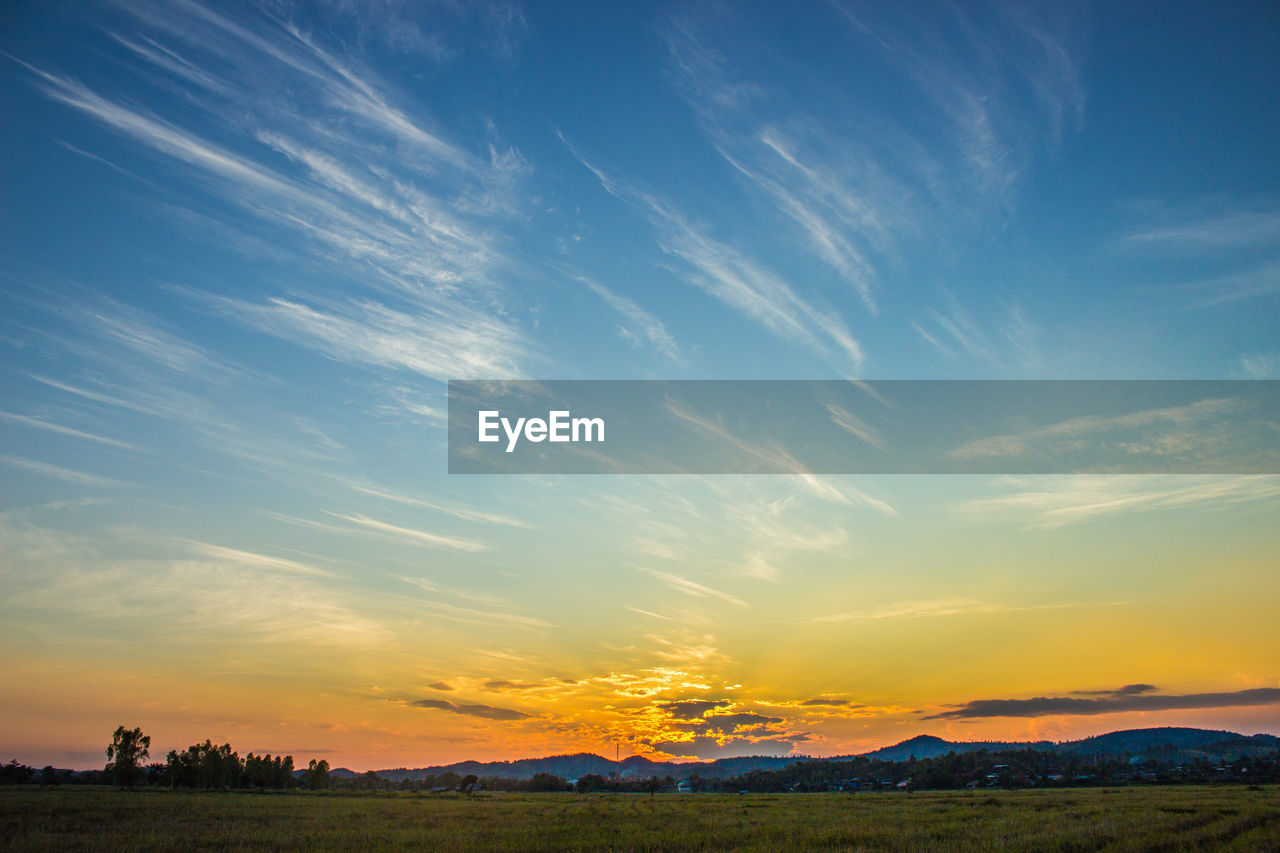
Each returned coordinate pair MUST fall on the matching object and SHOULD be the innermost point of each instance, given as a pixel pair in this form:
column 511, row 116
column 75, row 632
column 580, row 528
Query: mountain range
column 1186, row 742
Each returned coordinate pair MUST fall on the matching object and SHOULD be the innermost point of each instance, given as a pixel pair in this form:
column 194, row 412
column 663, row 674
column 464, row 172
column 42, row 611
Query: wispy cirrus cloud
column 49, row 426
column 432, row 540
column 733, row 277
column 456, row 343
column 208, row 597
column 1119, row 701
column 777, row 459
column 354, row 180
column 58, row 472
column 831, row 208
column 252, row 560
column 1057, row 437
column 690, row 587
column 462, row 511
column 1051, row 502
column 497, row 614
column 981, row 69
column 196, row 418
column 1255, row 283
column 108, row 332
column 858, row 191
column 1235, row 245
column 1006, row 336
column 638, row 326
column 1214, row 232
column 1261, row 365
column 928, row 608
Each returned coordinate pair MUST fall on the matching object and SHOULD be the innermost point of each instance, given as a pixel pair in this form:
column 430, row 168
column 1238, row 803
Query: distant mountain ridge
column 1208, row 742
column 928, row 746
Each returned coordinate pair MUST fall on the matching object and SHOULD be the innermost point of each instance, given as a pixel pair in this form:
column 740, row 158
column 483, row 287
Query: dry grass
column 1128, row 819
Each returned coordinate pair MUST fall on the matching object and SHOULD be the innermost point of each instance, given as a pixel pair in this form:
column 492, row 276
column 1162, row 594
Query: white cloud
column 639, row 325
column 421, row 536
column 692, row 588
column 40, row 423
column 1051, row 502
column 928, row 608
column 252, row 560
column 447, row 342
column 735, row 278
column 58, row 472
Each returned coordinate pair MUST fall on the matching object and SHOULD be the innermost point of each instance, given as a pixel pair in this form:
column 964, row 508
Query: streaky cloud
column 1052, row 502
column 943, row 607
column 40, row 423
column 421, row 536
column 487, row 712
column 250, row 559
column 1118, row 702
column 60, row 473
column 733, row 277
column 640, row 325
column 466, row 513
column 693, row 588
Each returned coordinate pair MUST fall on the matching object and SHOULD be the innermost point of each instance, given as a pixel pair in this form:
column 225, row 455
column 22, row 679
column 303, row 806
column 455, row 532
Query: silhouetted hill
column 928, row 746
column 1184, row 742
column 1138, row 740
column 579, row 765
column 1190, row 742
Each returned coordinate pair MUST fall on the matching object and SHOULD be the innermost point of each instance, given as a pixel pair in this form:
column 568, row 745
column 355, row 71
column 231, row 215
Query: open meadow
column 1139, row 818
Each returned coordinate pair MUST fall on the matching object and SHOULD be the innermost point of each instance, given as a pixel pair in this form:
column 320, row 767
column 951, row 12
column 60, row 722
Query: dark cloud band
column 1129, row 698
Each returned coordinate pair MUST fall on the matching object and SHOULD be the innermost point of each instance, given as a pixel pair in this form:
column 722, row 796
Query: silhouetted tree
column 547, row 782
column 592, row 782
column 316, row 776
column 129, row 748
column 205, row 766
column 14, row 773
column 368, row 780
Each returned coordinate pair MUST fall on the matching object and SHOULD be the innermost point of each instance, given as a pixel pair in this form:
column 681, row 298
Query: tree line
column 208, row 767
column 203, row 766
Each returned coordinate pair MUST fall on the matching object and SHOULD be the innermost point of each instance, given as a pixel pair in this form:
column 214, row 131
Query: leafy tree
column 368, row 781
column 205, row 766
column 592, row 782
column 547, row 782
column 317, row 775
column 129, row 748
column 14, row 773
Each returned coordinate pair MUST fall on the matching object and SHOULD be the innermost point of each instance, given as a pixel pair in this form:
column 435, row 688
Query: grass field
column 1164, row 819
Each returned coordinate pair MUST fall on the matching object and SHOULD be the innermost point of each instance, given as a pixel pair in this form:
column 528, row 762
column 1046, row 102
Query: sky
column 247, row 245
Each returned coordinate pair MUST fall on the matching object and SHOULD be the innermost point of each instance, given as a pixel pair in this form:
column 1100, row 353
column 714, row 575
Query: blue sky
column 246, row 246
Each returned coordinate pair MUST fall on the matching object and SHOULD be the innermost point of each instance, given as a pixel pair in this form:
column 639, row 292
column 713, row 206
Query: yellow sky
column 806, row 621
